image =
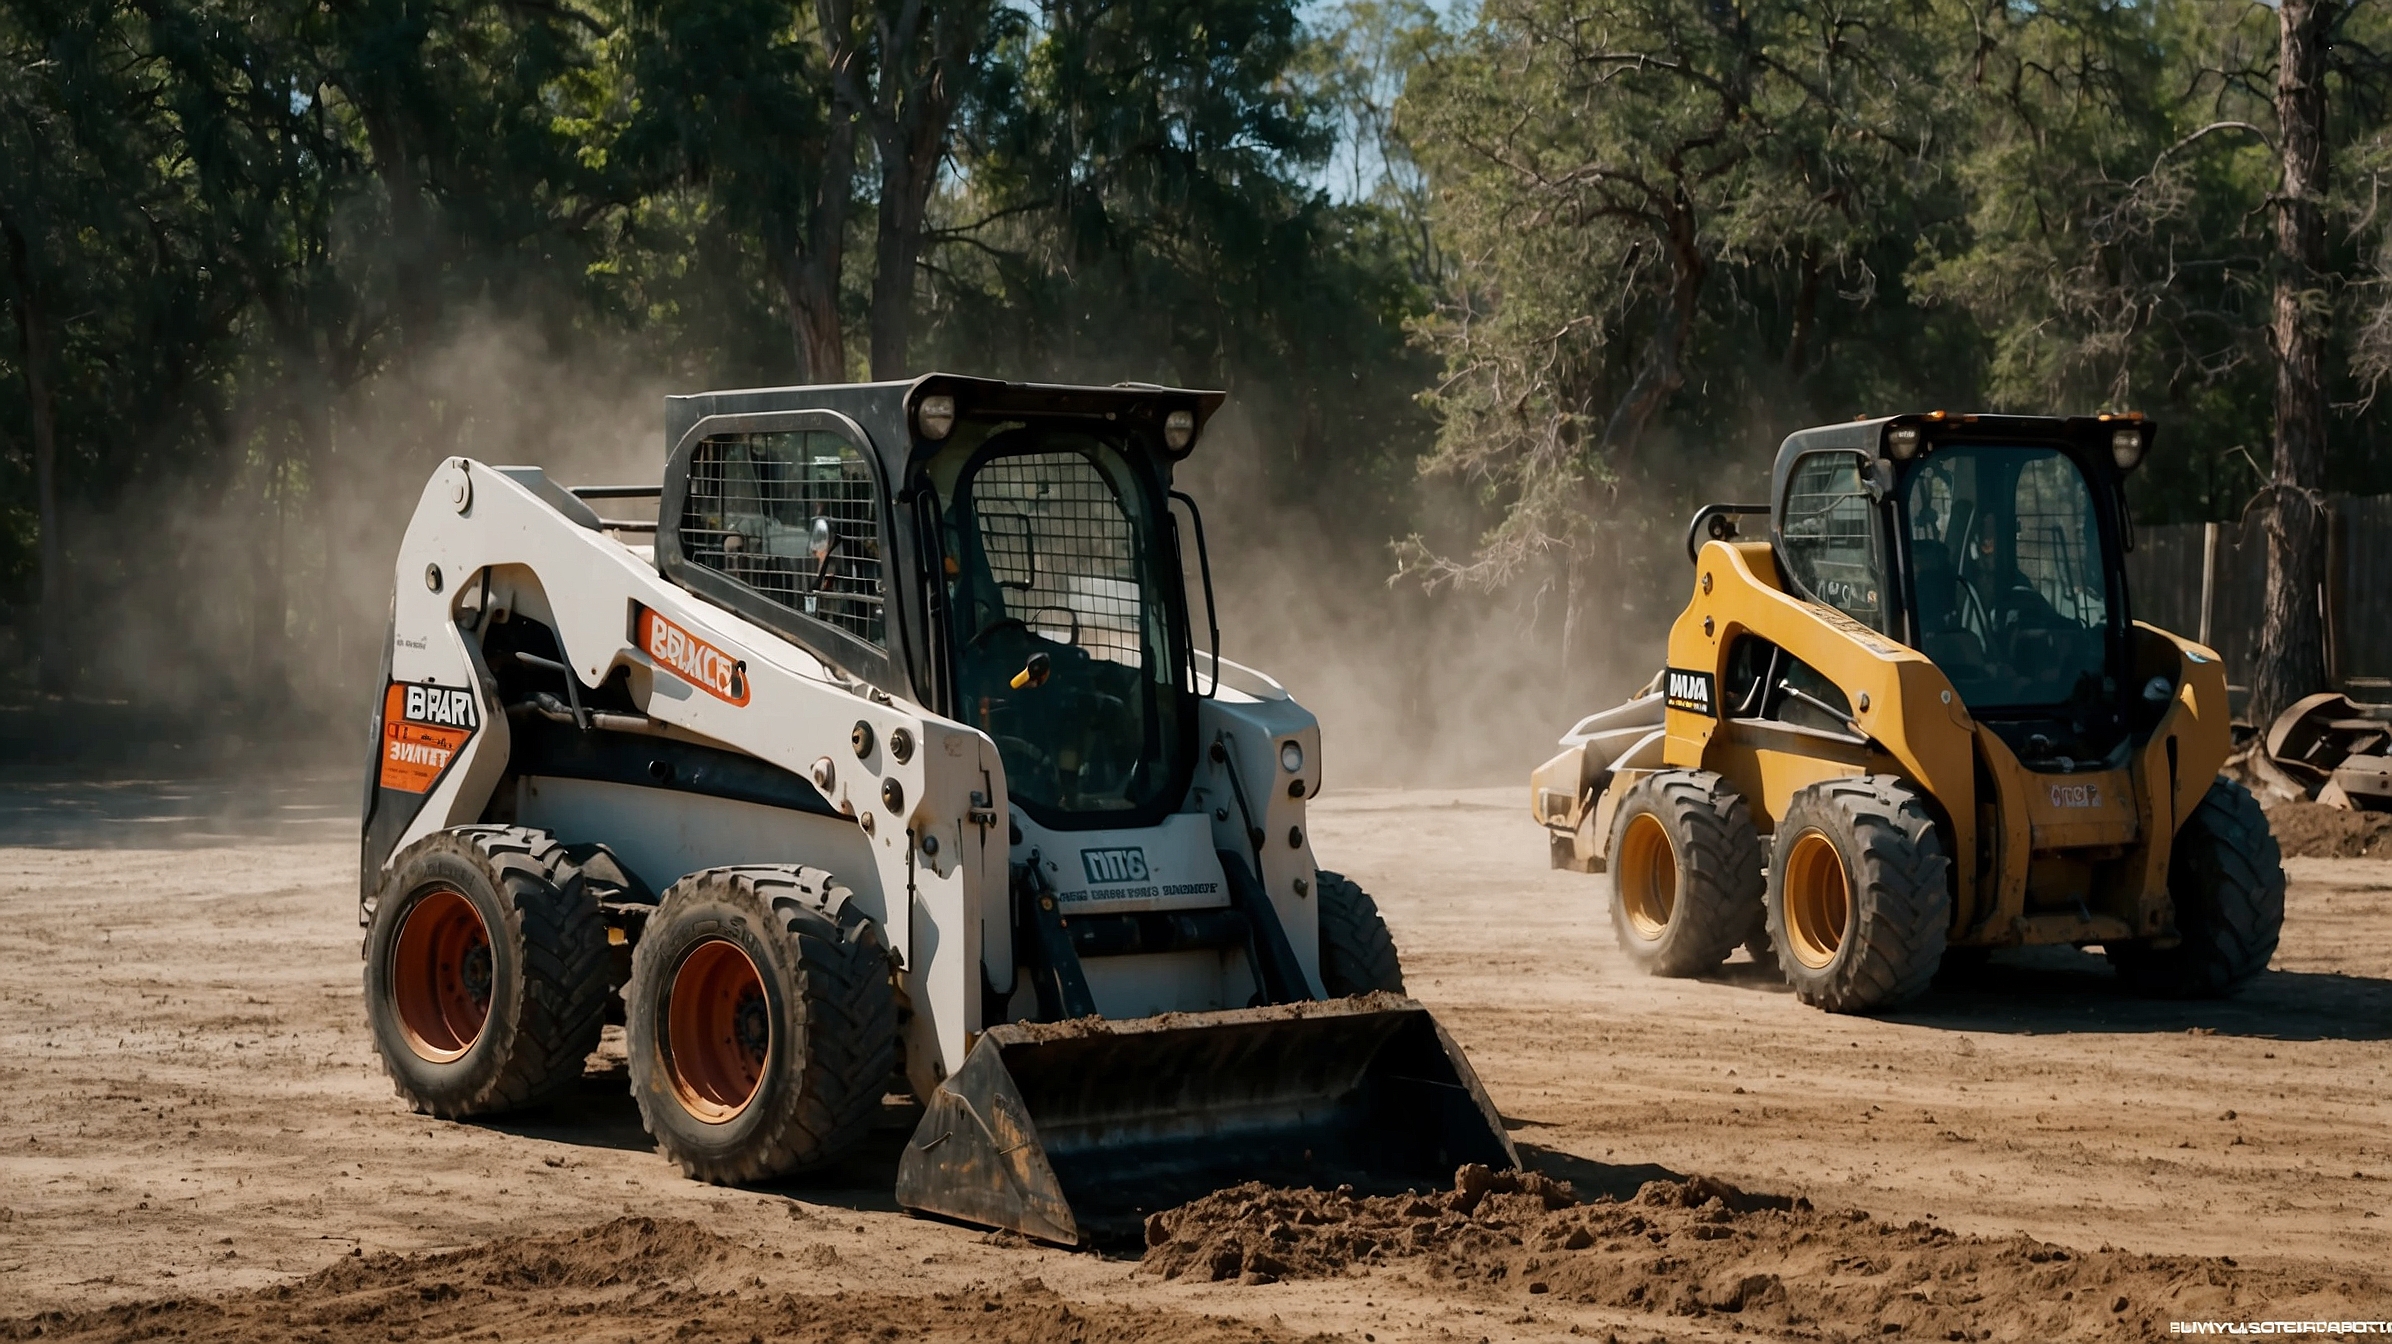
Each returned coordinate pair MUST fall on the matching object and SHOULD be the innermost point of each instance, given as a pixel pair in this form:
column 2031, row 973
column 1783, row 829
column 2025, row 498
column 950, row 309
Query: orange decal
column 423, row 729
column 692, row 659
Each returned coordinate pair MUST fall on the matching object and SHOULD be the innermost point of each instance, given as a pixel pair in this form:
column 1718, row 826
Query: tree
column 737, row 96
column 902, row 67
column 2291, row 660
column 1642, row 197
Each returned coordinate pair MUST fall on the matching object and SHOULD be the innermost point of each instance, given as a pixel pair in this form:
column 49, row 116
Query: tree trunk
column 414, row 251
column 925, row 47
column 1663, row 371
column 269, row 676
column 816, row 255
column 33, row 339
column 2292, row 638
column 897, row 246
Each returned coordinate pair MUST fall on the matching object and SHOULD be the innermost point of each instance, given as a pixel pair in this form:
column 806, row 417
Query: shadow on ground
column 2030, row 991
column 598, row 1113
column 1592, row 1179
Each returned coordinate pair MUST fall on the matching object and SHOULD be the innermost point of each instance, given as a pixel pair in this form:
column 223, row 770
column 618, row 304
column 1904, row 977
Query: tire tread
column 1901, row 893
column 562, row 945
column 839, row 987
column 1358, row 954
column 1719, row 902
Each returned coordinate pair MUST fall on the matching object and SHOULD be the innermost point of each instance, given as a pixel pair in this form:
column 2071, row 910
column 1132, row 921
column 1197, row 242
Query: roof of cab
column 883, row 410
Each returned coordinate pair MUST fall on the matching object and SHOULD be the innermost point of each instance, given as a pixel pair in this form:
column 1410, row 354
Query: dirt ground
column 199, row 1144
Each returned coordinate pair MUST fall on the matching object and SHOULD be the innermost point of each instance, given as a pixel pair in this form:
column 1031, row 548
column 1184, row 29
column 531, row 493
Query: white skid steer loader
column 883, row 756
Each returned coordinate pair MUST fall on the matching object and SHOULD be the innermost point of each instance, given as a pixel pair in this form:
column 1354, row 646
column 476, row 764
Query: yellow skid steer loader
column 1915, row 717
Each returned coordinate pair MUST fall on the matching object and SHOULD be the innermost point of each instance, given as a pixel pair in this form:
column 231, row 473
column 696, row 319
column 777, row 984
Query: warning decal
column 423, row 729
column 691, row 658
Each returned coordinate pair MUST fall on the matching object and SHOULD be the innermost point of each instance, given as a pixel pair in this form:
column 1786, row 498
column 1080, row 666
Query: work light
column 1902, row 442
column 935, row 417
column 2126, row 448
column 1178, row 428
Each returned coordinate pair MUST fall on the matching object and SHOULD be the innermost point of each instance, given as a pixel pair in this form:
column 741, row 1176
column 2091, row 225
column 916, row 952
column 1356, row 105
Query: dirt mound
column 634, row 1276
column 1701, row 1247
column 2315, row 831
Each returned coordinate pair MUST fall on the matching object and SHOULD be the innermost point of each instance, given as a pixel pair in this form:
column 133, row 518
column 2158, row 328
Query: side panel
column 663, row 835
column 1902, row 703
column 910, row 780
column 1250, row 732
column 1768, row 763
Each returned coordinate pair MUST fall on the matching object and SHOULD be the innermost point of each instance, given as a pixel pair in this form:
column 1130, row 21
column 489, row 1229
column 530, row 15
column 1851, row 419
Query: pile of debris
column 2327, row 749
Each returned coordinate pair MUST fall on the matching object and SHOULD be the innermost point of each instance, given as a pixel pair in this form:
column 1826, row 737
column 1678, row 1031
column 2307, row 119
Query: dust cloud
column 240, row 628
column 1453, row 687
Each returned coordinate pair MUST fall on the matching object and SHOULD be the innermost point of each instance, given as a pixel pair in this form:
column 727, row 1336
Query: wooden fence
column 2209, row 580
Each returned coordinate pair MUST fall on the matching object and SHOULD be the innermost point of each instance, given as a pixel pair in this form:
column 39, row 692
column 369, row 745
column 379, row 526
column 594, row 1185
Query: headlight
column 935, row 417
column 1291, row 756
column 2126, row 448
column 1179, row 429
column 1902, row 442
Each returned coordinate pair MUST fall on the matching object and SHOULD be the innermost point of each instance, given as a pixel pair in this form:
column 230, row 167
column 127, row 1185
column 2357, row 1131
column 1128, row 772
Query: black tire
column 486, row 971
column 1873, row 837
column 1757, row 944
column 1685, row 865
column 1357, row 953
column 2226, row 880
column 816, row 1031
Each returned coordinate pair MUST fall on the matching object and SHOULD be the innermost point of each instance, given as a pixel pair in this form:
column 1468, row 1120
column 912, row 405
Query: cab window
column 795, row 516
column 1830, row 543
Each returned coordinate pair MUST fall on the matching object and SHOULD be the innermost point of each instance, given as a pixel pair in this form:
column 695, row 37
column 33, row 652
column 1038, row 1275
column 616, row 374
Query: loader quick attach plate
column 1073, row 1132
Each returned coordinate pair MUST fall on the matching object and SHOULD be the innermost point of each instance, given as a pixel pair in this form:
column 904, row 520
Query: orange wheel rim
column 718, row 1031
column 1647, row 875
column 1818, row 900
column 440, row 973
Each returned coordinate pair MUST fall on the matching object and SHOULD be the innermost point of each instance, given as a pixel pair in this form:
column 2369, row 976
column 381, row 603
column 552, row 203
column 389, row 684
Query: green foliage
column 1679, row 228
column 1588, row 259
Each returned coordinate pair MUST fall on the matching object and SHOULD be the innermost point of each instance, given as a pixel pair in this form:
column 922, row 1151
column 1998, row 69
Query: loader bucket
column 1072, row 1132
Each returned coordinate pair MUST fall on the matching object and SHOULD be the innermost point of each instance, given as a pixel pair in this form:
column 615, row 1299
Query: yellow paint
column 1917, row 728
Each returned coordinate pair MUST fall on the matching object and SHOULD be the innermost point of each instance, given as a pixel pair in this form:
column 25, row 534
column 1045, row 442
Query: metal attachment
column 1295, row 837
column 930, row 844
column 901, row 745
column 825, row 774
column 1864, row 702
column 432, row 577
column 892, row 795
column 1706, row 581
column 861, row 739
column 1707, row 627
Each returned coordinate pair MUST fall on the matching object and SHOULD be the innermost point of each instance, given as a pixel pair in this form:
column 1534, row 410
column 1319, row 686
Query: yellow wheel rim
column 1818, row 900
column 1647, row 873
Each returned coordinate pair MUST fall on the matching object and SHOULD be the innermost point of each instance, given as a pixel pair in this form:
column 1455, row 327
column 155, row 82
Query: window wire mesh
column 2058, row 550
column 751, row 513
column 1060, row 549
column 1830, row 532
